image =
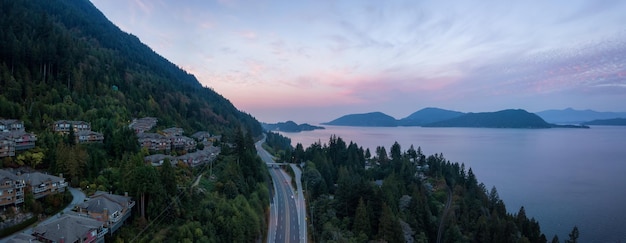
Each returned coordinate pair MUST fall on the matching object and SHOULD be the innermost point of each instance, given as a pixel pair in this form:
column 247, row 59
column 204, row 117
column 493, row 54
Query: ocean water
column 562, row 177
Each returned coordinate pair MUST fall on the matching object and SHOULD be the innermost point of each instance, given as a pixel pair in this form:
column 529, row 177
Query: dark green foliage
column 499, row 119
column 59, row 60
column 573, row 236
column 278, row 142
column 63, row 60
column 361, row 209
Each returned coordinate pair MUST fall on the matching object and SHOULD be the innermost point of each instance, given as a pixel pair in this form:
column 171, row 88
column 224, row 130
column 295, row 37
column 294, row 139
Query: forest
column 355, row 195
column 63, row 60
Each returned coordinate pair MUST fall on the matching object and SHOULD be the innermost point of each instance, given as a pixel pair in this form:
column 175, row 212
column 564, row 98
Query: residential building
column 13, row 137
column 11, row 188
column 7, row 145
column 173, row 132
column 11, row 125
column 63, row 126
column 142, row 125
column 154, row 141
column 89, row 137
column 183, row 143
column 200, row 156
column 109, row 208
column 203, row 137
column 22, row 140
column 158, row 159
column 71, row 228
column 43, row 184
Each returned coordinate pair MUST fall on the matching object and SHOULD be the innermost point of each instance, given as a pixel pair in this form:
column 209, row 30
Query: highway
column 284, row 220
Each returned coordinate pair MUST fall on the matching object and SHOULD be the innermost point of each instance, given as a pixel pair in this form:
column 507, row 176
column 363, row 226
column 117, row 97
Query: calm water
column 562, row 177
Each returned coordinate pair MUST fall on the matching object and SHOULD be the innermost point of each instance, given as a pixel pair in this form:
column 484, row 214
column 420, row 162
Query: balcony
column 19, row 200
column 39, row 189
column 102, row 232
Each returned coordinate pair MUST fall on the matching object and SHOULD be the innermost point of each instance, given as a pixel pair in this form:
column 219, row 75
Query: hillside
column 572, row 116
column 289, row 126
column 608, row 122
column 372, row 119
column 428, row 115
column 498, row 119
column 66, row 60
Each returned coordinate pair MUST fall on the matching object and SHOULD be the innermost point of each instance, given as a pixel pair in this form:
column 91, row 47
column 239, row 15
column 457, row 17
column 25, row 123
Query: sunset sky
column 313, row 61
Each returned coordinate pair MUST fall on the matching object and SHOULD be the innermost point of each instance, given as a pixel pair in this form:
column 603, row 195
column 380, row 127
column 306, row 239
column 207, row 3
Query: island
column 372, row 119
column 289, row 126
column 435, row 117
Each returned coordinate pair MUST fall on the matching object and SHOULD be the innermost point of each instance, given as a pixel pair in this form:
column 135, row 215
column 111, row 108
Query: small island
column 372, row 119
column 289, row 126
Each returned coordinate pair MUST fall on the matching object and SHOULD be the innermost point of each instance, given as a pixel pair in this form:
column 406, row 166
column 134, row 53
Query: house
column 13, row 137
column 43, row 184
column 142, row 125
column 23, row 140
column 200, row 156
column 173, row 132
column 203, row 137
column 154, row 141
column 71, row 228
column 22, row 238
column 158, row 159
column 11, row 188
column 183, row 143
column 11, row 125
column 89, row 137
column 63, row 126
column 7, row 145
column 109, row 208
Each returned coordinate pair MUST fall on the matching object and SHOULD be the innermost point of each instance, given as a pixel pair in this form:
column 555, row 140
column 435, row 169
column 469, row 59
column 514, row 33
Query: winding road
column 443, row 216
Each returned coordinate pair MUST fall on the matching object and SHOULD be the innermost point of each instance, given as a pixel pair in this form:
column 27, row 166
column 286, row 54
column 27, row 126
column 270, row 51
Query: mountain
column 372, row 119
column 66, row 60
column 572, row 116
column 499, row 119
column 289, row 126
column 608, row 122
column 428, row 115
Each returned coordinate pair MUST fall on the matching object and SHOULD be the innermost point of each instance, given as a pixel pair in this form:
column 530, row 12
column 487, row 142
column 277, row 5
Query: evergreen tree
column 361, row 220
column 573, row 236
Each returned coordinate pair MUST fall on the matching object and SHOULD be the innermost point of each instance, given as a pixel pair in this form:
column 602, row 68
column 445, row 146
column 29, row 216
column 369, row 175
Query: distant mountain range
column 289, row 126
column 608, row 122
column 571, row 116
column 435, row 117
column 428, row 115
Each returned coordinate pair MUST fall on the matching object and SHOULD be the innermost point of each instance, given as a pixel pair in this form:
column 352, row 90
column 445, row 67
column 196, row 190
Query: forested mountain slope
column 66, row 60
column 63, row 60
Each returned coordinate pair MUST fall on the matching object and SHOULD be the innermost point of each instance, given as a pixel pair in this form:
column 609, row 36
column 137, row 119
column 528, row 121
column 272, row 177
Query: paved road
column 283, row 225
column 300, row 203
column 443, row 216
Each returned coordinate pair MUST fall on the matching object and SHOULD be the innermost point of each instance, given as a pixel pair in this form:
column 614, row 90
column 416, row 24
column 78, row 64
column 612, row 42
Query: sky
column 314, row 61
